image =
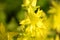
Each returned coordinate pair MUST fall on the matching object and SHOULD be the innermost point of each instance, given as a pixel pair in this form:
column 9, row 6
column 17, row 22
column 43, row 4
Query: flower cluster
column 35, row 23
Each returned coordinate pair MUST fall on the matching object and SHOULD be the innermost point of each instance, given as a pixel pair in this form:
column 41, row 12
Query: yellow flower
column 27, row 3
column 57, row 37
column 3, row 34
column 33, row 3
column 56, row 11
column 35, row 25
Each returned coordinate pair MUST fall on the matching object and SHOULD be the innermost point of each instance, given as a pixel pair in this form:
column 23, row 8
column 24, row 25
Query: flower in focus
column 34, row 23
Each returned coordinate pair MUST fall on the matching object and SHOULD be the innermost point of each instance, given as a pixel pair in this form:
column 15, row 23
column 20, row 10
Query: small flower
column 3, row 34
column 27, row 3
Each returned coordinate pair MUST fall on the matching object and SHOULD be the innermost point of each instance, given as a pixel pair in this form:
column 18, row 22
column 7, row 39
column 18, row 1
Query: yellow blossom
column 3, row 34
column 26, row 3
column 56, row 17
column 35, row 23
column 57, row 37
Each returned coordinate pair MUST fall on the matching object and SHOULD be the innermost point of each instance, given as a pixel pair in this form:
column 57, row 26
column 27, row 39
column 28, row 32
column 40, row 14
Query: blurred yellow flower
column 57, row 37
column 27, row 3
column 3, row 34
column 56, row 11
